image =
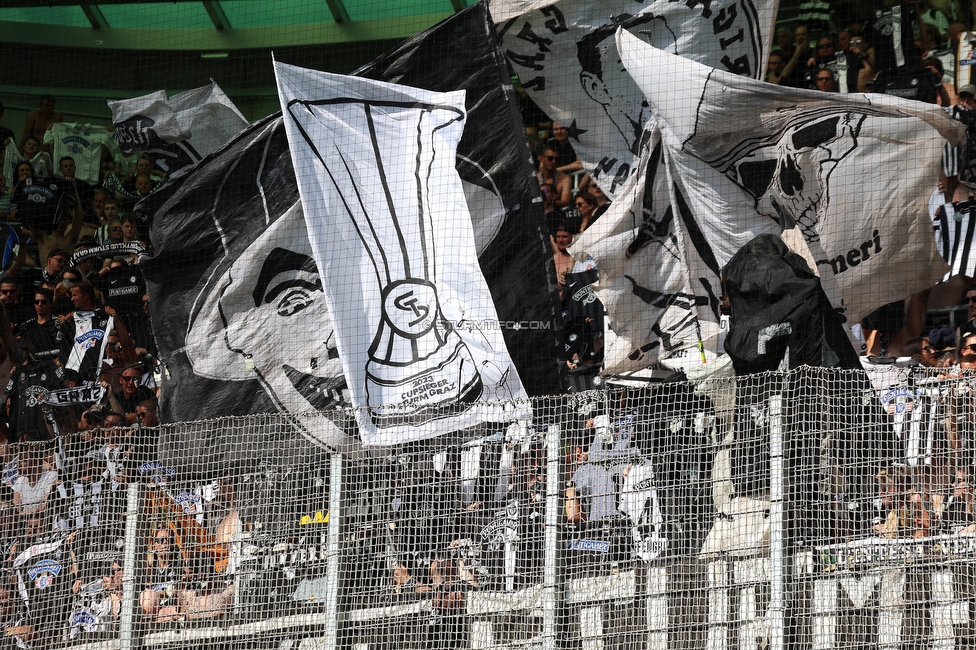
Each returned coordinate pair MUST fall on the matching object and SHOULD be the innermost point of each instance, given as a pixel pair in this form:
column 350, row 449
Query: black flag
column 237, row 304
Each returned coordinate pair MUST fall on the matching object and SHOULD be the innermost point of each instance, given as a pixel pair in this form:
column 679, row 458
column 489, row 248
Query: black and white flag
column 229, row 353
column 392, row 237
column 565, row 55
column 242, row 328
column 854, row 172
column 655, row 313
column 499, row 182
column 176, row 131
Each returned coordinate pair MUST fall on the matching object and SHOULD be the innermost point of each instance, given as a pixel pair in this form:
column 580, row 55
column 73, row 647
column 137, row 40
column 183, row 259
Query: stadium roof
column 216, row 24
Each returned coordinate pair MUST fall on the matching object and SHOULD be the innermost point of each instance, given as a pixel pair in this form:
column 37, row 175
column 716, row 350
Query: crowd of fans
column 82, row 396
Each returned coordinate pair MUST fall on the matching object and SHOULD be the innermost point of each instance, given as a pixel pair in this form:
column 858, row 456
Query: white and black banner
column 565, row 55
column 653, row 309
column 391, row 234
column 176, row 131
column 71, row 396
column 854, row 172
column 245, row 329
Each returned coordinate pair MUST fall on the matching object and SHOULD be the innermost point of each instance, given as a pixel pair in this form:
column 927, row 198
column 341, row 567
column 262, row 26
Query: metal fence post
column 127, row 613
column 332, row 563
column 550, row 577
column 777, row 606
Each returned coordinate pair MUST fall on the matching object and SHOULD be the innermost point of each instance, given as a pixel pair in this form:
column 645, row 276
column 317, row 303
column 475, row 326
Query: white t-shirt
column 33, row 497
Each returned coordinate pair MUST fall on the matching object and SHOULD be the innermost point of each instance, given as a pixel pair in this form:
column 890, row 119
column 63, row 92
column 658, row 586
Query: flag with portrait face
column 566, row 58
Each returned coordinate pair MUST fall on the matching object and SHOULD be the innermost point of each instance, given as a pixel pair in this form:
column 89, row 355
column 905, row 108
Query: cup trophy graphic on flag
column 388, row 223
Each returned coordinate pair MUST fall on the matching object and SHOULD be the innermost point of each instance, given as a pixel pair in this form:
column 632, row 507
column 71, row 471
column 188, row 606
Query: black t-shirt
column 41, row 336
column 123, row 289
column 39, row 201
column 910, row 83
column 25, row 390
column 892, row 33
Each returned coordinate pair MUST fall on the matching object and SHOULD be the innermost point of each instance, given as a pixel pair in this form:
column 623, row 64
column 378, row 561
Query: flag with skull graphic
column 854, row 172
column 417, row 333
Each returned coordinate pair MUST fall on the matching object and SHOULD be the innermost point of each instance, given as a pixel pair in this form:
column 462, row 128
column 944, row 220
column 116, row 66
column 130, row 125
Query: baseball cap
column 967, row 88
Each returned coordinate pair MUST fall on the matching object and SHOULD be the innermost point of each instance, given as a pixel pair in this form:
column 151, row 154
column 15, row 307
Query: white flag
column 176, row 131
column 566, row 58
column 853, row 171
column 416, row 328
column 654, row 312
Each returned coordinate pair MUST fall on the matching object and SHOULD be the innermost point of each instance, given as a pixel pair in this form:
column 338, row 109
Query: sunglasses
column 116, row 229
column 970, row 348
column 8, row 292
column 41, row 302
column 124, row 378
column 970, row 299
column 549, row 157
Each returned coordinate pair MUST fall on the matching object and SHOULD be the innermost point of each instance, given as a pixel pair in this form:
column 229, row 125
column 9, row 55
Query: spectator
column 111, row 216
column 967, row 350
column 591, row 187
column 17, row 312
column 801, row 47
column 115, row 233
column 939, row 348
column 823, row 56
column 62, row 292
column 131, row 395
column 90, row 324
column 33, row 277
column 85, row 193
column 563, row 259
column 566, row 160
column 825, row 81
column 123, row 287
column 98, row 598
column 130, row 228
column 552, row 177
column 41, row 332
column 30, row 153
column 39, row 120
column 32, row 378
column 33, row 483
column 164, row 577
column 13, row 619
column 959, row 515
column 591, row 495
column 586, row 204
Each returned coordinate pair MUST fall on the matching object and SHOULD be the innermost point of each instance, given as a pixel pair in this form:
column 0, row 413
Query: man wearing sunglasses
column 41, row 332
column 132, row 394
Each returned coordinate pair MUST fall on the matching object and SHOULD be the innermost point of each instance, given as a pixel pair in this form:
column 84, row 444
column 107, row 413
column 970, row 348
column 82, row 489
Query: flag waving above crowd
column 392, row 237
column 179, row 130
column 566, row 57
column 501, row 191
column 854, row 172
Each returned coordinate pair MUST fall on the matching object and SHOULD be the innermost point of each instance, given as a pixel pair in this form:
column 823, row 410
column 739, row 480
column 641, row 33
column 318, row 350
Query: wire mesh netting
column 511, row 324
